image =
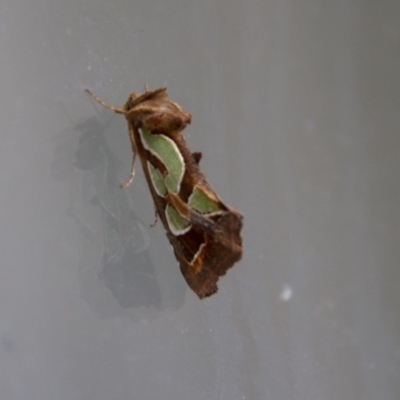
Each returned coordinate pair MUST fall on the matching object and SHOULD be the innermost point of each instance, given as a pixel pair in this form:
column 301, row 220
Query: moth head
column 131, row 101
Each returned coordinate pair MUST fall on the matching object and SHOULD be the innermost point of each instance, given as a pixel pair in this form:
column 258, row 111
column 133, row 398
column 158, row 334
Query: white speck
column 286, row 293
column 89, row 67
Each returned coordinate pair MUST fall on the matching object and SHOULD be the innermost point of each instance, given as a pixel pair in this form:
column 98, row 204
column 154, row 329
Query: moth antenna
column 130, row 180
column 115, row 109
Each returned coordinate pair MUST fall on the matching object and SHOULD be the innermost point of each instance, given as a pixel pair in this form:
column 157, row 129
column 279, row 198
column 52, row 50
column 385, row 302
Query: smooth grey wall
column 295, row 107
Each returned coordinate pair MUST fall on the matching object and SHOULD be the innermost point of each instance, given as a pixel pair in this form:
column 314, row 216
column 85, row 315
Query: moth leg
column 110, row 107
column 132, row 175
column 152, row 225
column 134, row 152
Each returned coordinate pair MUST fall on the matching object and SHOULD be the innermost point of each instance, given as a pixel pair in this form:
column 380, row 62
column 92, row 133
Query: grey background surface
column 295, row 107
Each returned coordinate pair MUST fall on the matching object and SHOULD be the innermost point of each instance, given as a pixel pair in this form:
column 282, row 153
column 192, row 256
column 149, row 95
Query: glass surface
column 295, row 107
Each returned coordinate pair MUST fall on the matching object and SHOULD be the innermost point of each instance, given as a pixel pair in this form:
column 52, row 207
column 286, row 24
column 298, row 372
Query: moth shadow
column 115, row 271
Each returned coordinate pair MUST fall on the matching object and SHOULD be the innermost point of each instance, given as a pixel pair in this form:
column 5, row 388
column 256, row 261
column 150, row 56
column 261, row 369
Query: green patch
column 177, row 224
column 200, row 202
column 157, row 180
column 168, row 153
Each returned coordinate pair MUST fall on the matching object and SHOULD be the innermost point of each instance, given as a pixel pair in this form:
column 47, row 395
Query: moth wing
column 202, row 266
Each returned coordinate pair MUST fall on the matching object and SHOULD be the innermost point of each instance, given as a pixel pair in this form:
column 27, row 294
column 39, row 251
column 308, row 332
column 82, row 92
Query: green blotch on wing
column 177, row 224
column 158, row 180
column 200, row 202
column 167, row 151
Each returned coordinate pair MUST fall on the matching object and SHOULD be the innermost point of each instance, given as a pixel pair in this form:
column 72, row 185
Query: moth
column 203, row 231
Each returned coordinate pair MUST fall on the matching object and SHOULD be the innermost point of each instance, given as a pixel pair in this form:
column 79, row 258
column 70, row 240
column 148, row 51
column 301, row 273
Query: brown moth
column 203, row 231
